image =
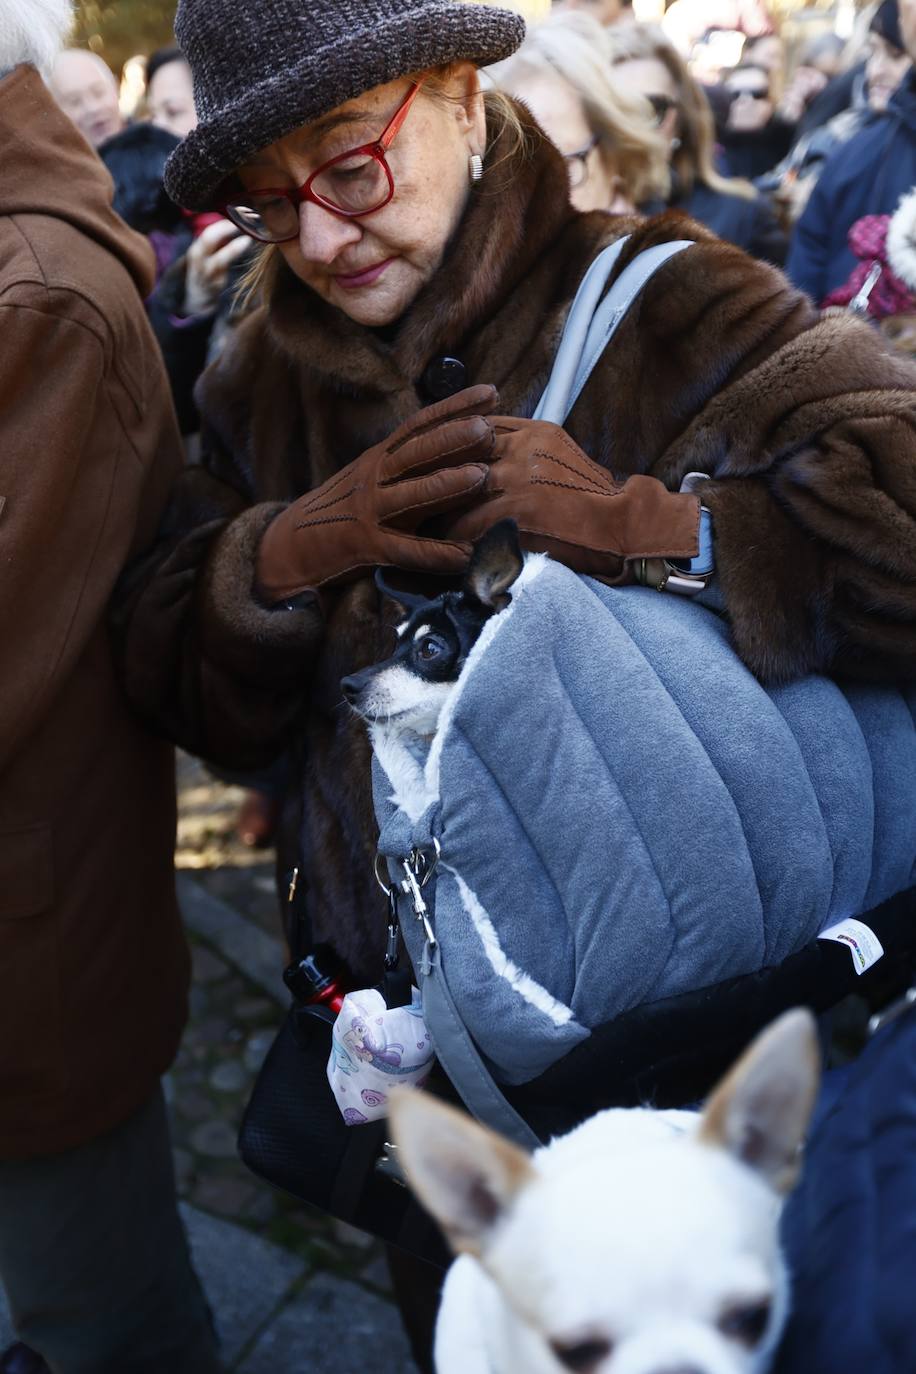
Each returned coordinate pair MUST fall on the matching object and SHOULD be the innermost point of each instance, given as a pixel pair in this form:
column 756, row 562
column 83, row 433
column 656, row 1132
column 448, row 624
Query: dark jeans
column 94, row 1259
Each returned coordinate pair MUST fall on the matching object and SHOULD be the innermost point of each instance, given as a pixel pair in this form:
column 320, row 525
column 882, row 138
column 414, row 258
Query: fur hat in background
column 262, row 70
column 136, row 159
column 901, row 241
column 33, row 31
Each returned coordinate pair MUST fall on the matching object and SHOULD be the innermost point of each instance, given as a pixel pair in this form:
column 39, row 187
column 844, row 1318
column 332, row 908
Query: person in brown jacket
column 93, row 963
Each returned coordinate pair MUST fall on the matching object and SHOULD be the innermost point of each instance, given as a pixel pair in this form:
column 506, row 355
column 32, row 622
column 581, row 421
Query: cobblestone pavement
column 292, row 1289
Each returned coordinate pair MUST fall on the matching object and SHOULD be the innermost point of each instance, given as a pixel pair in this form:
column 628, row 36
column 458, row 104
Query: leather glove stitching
column 572, row 486
column 316, row 507
column 326, row 520
column 601, row 487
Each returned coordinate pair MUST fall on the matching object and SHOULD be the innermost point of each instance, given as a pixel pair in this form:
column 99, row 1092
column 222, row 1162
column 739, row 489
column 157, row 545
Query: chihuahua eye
column 431, row 646
column 582, row 1356
column 746, row 1324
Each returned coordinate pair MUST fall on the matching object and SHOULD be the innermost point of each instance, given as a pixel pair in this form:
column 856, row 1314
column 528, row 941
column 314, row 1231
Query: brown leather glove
column 368, row 513
column 571, row 508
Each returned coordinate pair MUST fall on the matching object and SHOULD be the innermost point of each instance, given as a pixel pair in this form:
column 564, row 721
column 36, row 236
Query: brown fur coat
column 806, row 425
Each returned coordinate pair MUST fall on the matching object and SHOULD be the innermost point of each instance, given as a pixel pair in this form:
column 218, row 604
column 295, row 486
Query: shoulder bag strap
column 594, row 319
column 461, row 1060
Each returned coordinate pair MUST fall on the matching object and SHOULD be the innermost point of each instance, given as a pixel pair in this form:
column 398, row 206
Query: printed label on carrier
column 864, row 945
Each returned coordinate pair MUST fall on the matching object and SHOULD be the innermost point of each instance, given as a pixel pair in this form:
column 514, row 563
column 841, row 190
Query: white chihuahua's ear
column 466, row 1176
column 761, row 1110
column 495, row 563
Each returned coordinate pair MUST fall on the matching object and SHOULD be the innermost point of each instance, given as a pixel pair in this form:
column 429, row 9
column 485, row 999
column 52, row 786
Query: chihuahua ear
column 761, row 1110
column 407, row 601
column 465, row 1175
column 495, row 564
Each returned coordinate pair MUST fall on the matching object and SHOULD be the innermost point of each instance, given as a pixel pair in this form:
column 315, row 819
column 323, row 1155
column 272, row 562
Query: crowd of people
column 283, row 287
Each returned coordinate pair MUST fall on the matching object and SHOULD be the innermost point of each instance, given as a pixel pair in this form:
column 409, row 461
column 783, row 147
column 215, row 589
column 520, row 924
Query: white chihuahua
column 643, row 1242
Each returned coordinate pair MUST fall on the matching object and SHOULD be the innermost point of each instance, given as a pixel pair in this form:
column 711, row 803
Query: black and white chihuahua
column 408, row 691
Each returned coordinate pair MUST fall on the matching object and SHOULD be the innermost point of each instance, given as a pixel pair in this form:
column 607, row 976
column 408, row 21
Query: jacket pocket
column 26, row 872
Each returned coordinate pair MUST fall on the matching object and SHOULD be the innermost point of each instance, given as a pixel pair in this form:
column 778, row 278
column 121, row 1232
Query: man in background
column 85, row 89
column 93, row 962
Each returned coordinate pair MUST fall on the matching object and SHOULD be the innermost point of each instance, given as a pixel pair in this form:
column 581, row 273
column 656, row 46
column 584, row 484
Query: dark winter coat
column 866, row 176
column 806, row 426
column 93, row 966
column 753, row 152
column 848, row 1228
column 749, row 224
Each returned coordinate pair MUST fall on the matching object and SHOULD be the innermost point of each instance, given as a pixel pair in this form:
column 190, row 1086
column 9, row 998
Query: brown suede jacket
column 806, row 426
column 93, row 965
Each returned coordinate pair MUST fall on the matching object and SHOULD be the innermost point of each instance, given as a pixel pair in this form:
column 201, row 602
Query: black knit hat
column 886, row 22
column 263, row 68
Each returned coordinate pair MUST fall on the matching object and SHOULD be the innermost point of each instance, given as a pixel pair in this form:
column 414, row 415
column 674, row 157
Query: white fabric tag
column 863, row 944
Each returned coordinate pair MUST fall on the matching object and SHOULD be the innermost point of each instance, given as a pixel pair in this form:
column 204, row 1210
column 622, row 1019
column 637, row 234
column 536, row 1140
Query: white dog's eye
column 582, row 1356
column 747, row 1324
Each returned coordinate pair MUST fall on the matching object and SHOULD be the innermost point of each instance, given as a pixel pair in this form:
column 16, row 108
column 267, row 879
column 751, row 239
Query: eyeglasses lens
column 269, row 218
column 356, row 185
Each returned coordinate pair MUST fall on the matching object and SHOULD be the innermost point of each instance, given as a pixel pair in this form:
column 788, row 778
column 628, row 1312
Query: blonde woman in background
column 615, row 158
column 644, row 64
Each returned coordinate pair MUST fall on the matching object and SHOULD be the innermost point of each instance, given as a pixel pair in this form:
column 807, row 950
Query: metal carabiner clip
column 412, row 886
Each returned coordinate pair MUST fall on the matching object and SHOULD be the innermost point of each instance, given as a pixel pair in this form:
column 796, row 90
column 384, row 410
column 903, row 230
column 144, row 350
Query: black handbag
column 293, row 1136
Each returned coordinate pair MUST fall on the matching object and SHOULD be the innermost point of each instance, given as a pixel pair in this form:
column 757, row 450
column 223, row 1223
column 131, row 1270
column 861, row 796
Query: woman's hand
column 207, row 267
column 571, row 508
column 369, row 512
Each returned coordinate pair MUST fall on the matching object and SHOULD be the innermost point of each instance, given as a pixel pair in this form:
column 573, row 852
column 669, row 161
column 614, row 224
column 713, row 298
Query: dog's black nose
column 350, row 687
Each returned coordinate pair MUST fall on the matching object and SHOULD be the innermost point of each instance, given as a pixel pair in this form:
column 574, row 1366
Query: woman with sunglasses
column 419, row 251
column 645, row 64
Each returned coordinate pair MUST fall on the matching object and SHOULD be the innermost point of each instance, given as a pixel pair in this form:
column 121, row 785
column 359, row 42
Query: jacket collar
column 516, row 211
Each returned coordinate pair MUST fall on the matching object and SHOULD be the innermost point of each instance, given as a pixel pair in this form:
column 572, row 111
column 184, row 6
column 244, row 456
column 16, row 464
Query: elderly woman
column 615, row 159
column 420, row 243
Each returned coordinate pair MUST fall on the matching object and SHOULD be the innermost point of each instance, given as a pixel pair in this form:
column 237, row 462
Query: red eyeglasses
column 353, row 184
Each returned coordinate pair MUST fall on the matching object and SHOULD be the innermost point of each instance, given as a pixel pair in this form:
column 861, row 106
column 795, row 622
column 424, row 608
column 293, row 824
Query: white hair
column 33, row 31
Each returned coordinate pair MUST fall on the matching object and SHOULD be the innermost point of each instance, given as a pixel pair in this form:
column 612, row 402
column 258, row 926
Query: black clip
column 392, row 946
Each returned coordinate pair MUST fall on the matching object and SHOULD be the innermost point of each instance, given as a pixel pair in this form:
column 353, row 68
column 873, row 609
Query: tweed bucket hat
column 263, row 68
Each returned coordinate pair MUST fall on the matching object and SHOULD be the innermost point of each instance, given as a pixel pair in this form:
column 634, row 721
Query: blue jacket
column 850, row 1227
column 749, row 224
column 866, row 176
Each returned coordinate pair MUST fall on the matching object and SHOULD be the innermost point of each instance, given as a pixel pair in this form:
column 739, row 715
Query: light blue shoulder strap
column 593, row 320
column 460, row 1057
